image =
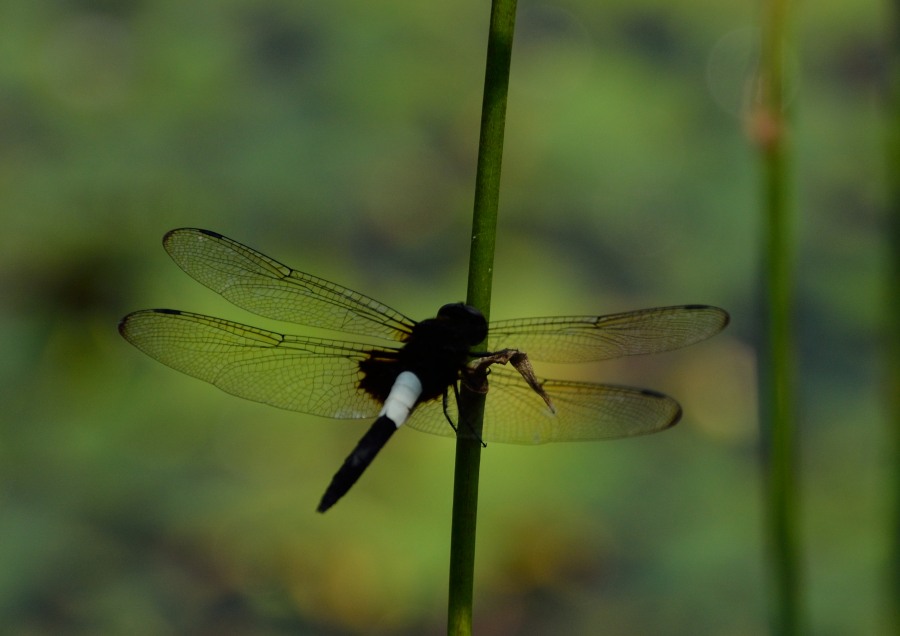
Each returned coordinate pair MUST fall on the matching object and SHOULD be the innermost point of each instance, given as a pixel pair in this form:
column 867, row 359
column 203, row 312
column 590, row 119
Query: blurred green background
column 341, row 138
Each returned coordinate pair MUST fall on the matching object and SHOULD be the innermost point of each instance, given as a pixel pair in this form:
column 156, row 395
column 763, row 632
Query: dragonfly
column 411, row 372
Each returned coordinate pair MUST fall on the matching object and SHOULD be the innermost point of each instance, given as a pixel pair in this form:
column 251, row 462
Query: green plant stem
column 481, row 264
column 893, row 307
column 777, row 382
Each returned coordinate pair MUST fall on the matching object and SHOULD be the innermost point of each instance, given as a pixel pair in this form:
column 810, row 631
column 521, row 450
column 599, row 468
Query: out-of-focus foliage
column 341, row 138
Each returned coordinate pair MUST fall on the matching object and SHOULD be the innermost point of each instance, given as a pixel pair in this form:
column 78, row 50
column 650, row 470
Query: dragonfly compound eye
column 467, row 317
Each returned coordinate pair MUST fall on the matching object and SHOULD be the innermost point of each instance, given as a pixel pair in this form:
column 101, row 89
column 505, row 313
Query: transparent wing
column 321, row 377
column 590, row 338
column 266, row 287
column 514, row 414
column 310, row 375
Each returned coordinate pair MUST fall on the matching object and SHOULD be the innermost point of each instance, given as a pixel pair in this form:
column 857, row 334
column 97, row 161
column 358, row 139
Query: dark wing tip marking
column 726, row 317
column 168, row 236
column 126, row 320
column 675, row 419
column 665, row 398
column 662, row 396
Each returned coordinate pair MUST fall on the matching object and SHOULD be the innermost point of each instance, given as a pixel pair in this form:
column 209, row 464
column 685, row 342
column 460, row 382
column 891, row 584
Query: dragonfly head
column 467, row 319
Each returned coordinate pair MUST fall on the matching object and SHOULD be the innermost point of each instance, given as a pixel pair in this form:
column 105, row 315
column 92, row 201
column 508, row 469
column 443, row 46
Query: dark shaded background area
column 341, row 138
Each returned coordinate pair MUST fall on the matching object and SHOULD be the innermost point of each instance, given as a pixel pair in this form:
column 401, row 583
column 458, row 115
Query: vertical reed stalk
column 893, row 305
column 481, row 265
column 777, row 365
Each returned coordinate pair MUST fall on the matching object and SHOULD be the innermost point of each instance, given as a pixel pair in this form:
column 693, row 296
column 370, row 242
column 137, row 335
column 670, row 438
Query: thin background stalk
column 777, row 370
column 481, row 267
column 893, row 304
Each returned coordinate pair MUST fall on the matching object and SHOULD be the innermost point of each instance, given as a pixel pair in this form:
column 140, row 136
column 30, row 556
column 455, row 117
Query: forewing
column 309, row 375
column 266, row 287
column 590, row 338
column 514, row 414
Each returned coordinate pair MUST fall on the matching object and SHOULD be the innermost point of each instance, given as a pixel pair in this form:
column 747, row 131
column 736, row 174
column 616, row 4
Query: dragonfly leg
column 476, row 382
column 479, row 368
column 444, row 402
column 449, row 419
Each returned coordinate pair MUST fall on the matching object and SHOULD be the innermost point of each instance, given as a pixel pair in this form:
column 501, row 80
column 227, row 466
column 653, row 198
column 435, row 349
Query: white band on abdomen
column 402, row 398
